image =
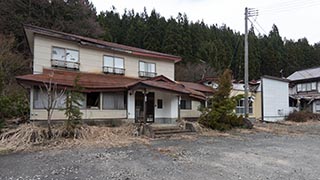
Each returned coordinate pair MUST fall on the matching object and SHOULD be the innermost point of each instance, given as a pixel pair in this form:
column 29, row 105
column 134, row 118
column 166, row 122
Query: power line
column 289, row 7
column 254, row 26
column 287, row 4
column 255, row 20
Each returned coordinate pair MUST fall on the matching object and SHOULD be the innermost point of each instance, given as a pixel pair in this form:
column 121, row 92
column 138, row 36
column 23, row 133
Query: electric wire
column 289, row 7
column 255, row 20
column 254, row 26
column 287, row 4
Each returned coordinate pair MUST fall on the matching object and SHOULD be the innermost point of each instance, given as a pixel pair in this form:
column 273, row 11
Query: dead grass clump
column 31, row 137
column 23, row 136
column 202, row 130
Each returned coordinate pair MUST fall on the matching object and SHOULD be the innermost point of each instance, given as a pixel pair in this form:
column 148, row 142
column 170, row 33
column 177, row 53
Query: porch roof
column 89, row 81
column 94, row 82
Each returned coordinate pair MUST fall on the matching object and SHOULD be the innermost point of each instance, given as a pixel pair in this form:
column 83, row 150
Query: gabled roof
column 305, row 74
column 30, row 30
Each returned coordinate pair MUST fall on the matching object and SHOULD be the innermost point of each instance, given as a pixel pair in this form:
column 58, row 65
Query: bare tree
column 193, row 71
column 53, row 95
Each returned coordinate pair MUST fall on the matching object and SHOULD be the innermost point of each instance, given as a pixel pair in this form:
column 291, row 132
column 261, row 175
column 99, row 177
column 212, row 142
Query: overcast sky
column 295, row 19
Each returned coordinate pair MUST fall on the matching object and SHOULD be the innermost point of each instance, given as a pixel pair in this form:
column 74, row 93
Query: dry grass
column 29, row 137
column 204, row 131
column 285, row 127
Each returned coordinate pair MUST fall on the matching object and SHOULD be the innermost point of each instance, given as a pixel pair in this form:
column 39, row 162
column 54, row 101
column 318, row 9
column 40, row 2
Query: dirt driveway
column 293, row 153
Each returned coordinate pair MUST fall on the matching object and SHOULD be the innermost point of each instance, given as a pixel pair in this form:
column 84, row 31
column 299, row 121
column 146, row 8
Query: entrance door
column 139, row 104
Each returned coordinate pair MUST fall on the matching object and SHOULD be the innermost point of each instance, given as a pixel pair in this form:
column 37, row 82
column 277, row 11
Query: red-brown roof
column 101, row 44
column 94, row 82
column 89, row 81
column 197, row 87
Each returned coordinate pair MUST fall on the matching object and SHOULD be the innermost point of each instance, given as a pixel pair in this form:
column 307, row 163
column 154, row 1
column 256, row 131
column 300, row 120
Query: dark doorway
column 139, row 104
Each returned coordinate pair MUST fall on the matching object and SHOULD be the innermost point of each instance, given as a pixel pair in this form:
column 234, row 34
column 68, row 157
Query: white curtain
column 113, row 101
column 40, row 100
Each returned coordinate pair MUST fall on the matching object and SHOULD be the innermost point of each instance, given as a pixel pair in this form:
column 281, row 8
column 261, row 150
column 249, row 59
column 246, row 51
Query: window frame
column 77, row 64
column 86, row 102
column 125, row 101
column 317, row 106
column 36, row 92
column 147, row 73
column 113, row 68
column 186, row 107
column 238, row 107
column 159, row 103
column 306, row 87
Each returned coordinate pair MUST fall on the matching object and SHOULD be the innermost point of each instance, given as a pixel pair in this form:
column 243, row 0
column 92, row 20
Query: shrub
column 13, row 106
column 302, row 116
column 1, row 124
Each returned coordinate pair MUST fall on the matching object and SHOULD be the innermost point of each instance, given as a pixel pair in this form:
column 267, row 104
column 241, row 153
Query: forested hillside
column 199, row 44
column 206, row 49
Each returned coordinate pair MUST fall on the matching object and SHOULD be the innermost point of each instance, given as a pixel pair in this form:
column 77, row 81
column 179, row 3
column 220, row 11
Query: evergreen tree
column 73, row 103
column 220, row 115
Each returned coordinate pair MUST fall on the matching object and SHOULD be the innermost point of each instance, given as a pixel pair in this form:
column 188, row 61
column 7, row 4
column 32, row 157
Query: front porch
column 152, row 106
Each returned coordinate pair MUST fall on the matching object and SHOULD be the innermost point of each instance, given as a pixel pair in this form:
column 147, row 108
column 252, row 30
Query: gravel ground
column 259, row 155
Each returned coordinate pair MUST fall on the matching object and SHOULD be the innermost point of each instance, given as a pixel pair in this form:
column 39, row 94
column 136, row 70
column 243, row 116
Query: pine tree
column 72, row 111
column 221, row 115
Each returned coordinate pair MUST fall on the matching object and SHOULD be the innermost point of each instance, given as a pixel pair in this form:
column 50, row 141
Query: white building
column 275, row 98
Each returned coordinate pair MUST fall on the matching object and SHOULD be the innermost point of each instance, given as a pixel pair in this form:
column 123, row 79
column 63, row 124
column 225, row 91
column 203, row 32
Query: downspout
column 262, row 112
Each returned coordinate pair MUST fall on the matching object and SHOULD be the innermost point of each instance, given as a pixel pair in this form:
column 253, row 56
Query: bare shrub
column 302, row 116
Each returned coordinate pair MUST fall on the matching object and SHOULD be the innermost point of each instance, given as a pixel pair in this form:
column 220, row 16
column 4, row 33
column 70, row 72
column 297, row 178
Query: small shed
column 275, row 98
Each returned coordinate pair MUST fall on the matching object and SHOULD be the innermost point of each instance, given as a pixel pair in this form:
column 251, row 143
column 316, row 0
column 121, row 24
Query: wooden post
column 145, row 106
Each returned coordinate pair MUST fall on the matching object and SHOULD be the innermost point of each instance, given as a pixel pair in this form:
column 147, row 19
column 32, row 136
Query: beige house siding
column 41, row 114
column 193, row 112
column 91, row 60
column 256, row 112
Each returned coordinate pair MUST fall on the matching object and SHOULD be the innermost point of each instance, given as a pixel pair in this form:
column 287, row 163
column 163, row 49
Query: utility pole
column 249, row 12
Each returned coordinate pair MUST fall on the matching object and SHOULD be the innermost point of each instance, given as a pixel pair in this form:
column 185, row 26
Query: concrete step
column 164, row 127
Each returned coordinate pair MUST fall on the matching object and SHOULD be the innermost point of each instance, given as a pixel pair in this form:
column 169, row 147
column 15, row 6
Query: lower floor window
column 93, row 100
column 40, row 99
column 112, row 100
column 317, row 104
column 240, row 107
column 185, row 103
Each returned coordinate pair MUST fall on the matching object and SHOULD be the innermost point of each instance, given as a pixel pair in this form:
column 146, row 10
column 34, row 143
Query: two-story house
column 118, row 81
column 304, row 91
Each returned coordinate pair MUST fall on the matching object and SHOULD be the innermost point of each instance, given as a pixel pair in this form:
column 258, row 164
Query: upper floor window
column 113, row 65
column 67, row 58
column 312, row 86
column 147, row 69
